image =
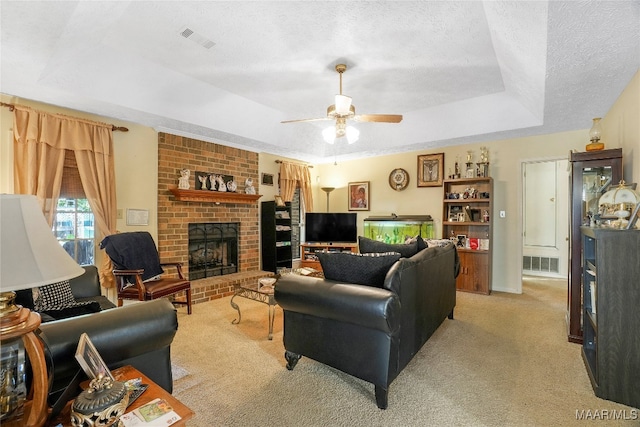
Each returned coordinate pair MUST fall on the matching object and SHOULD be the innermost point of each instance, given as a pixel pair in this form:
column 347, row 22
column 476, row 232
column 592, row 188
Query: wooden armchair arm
column 127, row 272
column 177, row 265
column 121, row 277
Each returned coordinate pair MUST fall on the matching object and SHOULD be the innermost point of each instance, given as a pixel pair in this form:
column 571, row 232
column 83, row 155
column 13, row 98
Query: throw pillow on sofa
column 367, row 246
column 57, row 301
column 53, row 297
column 432, row 243
column 362, row 269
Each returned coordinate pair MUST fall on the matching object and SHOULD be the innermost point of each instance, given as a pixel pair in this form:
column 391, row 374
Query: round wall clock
column 399, row 179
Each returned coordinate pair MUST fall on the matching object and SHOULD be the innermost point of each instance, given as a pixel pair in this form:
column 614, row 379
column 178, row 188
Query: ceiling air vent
column 188, row 33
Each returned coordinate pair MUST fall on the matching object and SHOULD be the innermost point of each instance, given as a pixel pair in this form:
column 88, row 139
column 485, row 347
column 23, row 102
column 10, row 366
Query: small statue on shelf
column 203, row 181
column 183, row 181
column 483, row 165
column 221, row 185
column 248, row 186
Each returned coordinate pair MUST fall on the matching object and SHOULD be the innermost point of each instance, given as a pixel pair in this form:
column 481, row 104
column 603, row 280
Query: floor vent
column 538, row 263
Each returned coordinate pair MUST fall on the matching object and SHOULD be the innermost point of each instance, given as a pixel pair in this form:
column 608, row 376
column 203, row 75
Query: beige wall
column 136, row 174
column 621, row 128
column 505, row 157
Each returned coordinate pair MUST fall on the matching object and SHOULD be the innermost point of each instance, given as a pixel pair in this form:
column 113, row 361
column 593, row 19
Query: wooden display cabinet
column 591, row 174
column 467, row 219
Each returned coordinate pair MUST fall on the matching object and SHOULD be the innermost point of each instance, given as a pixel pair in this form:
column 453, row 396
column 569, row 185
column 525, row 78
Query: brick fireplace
column 174, row 216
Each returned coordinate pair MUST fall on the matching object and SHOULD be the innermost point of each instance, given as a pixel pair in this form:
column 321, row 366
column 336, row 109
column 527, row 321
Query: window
column 74, row 223
column 74, row 228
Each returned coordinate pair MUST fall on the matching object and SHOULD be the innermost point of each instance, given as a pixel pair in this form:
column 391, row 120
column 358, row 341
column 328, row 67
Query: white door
column 545, row 218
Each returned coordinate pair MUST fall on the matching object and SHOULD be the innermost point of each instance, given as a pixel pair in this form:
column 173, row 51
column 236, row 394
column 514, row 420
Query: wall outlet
column 503, row 214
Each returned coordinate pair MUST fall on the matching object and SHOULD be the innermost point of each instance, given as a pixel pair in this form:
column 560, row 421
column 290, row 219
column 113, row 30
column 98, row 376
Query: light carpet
column 503, row 361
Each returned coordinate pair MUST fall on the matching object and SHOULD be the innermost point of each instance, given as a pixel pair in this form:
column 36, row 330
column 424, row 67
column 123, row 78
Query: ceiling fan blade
column 380, row 118
column 306, row 120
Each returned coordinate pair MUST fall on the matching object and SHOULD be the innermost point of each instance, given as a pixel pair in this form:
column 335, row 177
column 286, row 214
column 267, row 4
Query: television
column 331, row 227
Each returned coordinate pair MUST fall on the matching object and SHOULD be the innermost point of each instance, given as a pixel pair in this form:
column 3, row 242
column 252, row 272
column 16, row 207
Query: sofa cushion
column 53, row 297
column 362, row 269
column 366, row 246
column 432, row 243
column 73, row 310
column 56, row 301
column 421, row 242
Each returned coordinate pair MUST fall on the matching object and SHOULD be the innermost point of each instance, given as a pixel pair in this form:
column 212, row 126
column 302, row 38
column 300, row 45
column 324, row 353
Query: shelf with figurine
column 467, row 220
column 213, row 188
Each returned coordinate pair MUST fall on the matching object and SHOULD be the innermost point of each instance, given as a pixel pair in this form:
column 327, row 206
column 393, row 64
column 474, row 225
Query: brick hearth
column 176, row 153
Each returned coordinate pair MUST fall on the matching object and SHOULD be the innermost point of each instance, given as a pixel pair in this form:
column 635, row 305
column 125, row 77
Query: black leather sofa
column 368, row 332
column 139, row 334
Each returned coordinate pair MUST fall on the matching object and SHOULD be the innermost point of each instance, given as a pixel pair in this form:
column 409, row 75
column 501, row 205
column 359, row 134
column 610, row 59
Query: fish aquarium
column 398, row 228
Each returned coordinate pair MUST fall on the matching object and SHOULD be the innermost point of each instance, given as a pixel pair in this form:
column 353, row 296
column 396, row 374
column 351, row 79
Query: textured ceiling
column 458, row 72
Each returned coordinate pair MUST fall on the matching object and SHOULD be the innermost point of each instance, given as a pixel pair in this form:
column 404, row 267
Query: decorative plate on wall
column 399, row 179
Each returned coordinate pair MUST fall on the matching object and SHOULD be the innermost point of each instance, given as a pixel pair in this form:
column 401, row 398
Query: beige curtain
column 40, row 141
column 292, row 175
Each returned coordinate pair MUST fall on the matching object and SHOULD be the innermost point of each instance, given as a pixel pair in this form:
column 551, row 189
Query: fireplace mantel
column 206, row 196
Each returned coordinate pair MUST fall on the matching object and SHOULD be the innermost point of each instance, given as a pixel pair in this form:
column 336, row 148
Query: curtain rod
column 283, row 161
column 114, row 128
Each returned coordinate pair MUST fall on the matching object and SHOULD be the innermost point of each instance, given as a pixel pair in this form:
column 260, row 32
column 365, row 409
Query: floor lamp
column 328, row 190
column 30, row 256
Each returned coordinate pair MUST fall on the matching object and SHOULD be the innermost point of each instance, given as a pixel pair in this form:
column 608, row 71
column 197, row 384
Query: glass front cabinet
column 592, row 173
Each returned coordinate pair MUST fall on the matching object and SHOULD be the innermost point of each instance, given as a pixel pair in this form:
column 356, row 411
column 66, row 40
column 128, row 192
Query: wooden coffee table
column 153, row 392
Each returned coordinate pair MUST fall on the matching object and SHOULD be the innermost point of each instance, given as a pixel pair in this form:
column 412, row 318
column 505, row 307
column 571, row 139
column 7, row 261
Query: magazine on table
column 154, row 414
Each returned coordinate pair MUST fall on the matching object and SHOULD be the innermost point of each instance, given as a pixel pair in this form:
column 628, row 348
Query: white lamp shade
column 30, row 255
column 352, row 134
column 329, row 135
column 343, row 104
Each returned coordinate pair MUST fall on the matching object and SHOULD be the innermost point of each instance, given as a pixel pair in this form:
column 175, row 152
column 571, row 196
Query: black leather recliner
column 364, row 331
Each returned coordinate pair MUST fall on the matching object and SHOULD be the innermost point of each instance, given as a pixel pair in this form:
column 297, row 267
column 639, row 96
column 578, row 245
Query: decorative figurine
column 232, row 186
column 248, row 186
column 221, row 185
column 183, row 181
column 470, row 172
column 484, row 155
column 203, row 181
column 483, row 165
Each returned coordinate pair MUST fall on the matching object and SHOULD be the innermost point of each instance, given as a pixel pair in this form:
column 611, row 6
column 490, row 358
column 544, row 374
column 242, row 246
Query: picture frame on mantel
column 430, row 170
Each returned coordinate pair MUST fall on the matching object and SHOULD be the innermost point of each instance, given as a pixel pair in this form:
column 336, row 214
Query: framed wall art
column 267, row 179
column 358, row 196
column 430, row 170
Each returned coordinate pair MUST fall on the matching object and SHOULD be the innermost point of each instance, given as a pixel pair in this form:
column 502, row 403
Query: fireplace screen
column 213, row 249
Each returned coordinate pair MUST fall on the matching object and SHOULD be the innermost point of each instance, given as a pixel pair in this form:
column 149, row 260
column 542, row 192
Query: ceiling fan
column 344, row 110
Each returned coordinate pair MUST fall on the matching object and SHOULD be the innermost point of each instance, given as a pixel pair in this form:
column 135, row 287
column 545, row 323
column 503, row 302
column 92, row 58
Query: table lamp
column 30, row 256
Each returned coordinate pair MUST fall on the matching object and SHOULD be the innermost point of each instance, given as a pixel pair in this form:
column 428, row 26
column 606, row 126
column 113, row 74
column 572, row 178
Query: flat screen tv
column 331, row 227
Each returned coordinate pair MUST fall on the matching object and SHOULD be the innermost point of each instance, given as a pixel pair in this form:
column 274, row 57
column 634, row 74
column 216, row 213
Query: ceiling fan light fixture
column 343, row 104
column 329, row 135
column 352, row 134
